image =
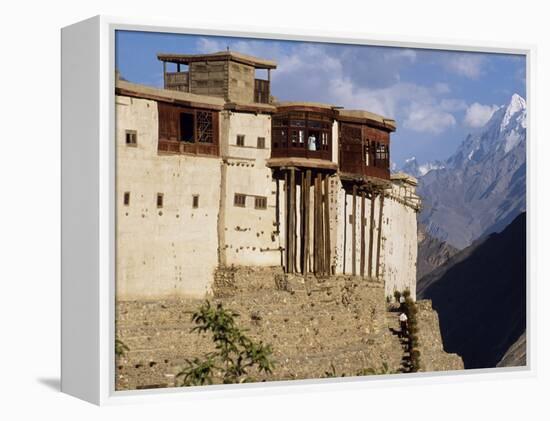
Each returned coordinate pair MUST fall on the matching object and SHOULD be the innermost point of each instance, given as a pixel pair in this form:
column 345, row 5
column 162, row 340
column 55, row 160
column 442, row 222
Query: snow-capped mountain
column 413, row 168
column 481, row 188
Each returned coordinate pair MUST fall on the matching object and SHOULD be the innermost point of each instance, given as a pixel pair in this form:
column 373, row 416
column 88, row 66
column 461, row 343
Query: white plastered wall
column 170, row 251
column 400, row 242
column 250, row 237
column 398, row 246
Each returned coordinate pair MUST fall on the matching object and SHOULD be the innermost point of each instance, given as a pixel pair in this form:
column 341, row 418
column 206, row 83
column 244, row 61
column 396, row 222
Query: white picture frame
column 88, row 215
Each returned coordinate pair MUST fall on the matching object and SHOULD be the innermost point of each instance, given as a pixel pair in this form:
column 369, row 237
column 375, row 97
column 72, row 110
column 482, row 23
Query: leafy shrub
column 397, row 295
column 235, row 353
column 120, row 348
column 412, row 321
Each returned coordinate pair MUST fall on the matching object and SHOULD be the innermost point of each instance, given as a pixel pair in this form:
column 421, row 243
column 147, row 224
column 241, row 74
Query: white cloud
column 314, row 72
column 468, row 65
column 402, row 53
column 428, row 118
column 477, row 115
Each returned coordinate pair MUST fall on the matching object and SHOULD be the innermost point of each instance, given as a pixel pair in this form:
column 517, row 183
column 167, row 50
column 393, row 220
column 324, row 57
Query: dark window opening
column 240, row 140
column 261, row 143
column 127, row 198
column 195, row 201
column 240, row 200
column 160, row 200
column 187, row 127
column 260, row 202
column 131, row 138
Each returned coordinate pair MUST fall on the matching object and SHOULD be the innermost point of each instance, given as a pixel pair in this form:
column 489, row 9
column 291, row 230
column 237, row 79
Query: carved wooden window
column 127, row 198
column 187, row 130
column 382, row 155
column 302, row 134
column 195, row 201
column 240, row 140
column 239, row 200
column 260, row 202
column 204, row 127
column 131, row 138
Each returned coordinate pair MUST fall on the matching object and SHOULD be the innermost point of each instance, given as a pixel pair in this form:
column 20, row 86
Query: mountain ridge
column 480, row 188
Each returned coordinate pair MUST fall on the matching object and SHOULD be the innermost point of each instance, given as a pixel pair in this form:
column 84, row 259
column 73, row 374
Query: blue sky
column 437, row 97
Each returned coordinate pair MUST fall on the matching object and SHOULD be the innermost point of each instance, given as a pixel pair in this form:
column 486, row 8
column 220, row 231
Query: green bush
column 235, row 353
column 397, row 295
column 120, row 348
column 412, row 321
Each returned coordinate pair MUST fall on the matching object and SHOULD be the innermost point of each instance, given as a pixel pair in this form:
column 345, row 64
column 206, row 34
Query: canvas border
column 106, row 213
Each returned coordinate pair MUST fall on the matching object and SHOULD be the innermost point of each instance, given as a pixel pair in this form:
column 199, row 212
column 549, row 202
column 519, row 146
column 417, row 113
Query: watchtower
column 232, row 76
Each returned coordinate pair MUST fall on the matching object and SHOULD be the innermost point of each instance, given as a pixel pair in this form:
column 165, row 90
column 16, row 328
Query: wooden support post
column 345, row 232
column 315, row 227
column 278, row 216
column 381, row 205
column 353, row 233
column 362, row 256
column 179, row 67
column 371, row 231
column 287, row 220
column 306, row 222
column 327, row 226
column 318, row 226
column 164, row 73
column 292, row 223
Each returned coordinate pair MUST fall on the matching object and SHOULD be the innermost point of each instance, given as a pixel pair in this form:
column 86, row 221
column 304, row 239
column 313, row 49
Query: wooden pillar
column 371, row 231
column 278, row 216
column 292, row 222
column 305, row 259
column 164, row 73
column 179, row 67
column 315, row 226
column 381, row 205
column 320, row 222
column 326, row 223
column 353, row 233
column 287, row 221
column 362, row 256
column 345, row 232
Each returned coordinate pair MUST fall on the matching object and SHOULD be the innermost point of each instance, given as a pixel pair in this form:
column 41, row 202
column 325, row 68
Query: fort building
column 214, row 173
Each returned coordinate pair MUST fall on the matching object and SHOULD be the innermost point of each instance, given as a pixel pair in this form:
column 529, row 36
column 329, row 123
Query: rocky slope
column 432, row 253
column 480, row 296
column 516, row 355
column 481, row 188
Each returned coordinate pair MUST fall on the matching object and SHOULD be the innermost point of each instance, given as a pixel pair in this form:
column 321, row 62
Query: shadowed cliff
column 480, row 295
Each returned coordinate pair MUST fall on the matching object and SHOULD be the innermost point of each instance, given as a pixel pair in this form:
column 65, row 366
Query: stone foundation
column 312, row 326
column 432, row 354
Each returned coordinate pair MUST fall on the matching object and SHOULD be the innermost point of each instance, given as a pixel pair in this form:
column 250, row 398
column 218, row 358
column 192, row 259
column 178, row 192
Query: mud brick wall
column 432, row 354
column 312, row 327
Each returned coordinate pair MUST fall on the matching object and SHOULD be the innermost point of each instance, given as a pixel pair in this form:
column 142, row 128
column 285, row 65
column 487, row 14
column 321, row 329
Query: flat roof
column 367, row 117
column 258, row 63
column 303, row 104
column 185, row 98
column 406, row 178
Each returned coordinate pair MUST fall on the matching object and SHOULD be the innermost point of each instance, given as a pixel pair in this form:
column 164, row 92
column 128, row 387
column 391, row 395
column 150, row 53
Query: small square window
column 261, row 143
column 240, row 200
column 131, row 138
column 127, row 198
column 195, row 201
column 240, row 140
column 160, row 200
column 260, row 202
